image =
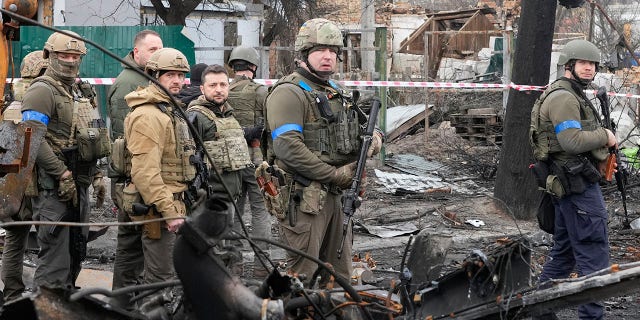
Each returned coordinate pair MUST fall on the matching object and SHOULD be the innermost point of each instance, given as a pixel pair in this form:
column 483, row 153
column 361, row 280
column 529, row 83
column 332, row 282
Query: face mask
column 65, row 70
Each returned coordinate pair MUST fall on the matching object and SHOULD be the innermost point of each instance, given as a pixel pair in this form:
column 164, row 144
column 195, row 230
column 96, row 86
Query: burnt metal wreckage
column 494, row 284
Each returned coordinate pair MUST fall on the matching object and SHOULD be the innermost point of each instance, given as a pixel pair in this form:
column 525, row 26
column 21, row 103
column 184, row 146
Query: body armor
column 229, row 151
column 13, row 112
column 243, row 96
column 334, row 140
column 542, row 136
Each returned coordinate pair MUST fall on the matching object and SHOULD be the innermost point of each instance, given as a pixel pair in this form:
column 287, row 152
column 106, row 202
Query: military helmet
column 62, row 42
column 167, row 59
column 579, row 50
column 246, row 54
column 318, row 32
column 32, row 64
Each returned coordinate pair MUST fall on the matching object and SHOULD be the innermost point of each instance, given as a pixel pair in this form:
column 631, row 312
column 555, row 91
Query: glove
column 343, row 176
column 99, row 190
column 67, row 191
column 376, row 144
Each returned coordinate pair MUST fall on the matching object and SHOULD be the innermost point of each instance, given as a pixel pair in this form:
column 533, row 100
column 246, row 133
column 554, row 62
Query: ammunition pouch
column 312, row 197
column 570, row 177
column 93, row 143
column 126, row 196
column 120, row 160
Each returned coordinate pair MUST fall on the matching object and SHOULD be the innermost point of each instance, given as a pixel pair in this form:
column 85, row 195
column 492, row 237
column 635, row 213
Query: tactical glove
column 376, row 144
column 343, row 176
column 67, row 191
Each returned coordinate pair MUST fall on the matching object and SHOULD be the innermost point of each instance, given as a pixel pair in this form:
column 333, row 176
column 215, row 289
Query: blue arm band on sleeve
column 285, row 128
column 569, row 124
column 35, row 115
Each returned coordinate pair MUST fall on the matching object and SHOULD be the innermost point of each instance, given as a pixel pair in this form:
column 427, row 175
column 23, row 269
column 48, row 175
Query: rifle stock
column 613, row 161
column 350, row 200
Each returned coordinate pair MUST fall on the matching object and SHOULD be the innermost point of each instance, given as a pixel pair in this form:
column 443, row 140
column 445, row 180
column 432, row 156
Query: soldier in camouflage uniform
column 314, row 135
column 129, row 262
column 66, row 160
column 161, row 146
column 15, row 241
column 247, row 99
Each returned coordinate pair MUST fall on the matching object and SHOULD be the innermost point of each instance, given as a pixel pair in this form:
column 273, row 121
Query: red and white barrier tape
column 403, row 84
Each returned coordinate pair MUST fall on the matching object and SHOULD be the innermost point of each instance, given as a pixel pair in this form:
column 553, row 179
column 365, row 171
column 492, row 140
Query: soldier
column 15, row 241
column 129, row 262
column 192, row 91
column 222, row 135
column 161, row 147
column 247, row 99
column 315, row 137
column 66, row 160
column 569, row 135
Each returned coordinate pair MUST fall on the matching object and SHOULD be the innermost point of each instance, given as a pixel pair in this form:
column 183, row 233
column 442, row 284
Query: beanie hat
column 196, row 73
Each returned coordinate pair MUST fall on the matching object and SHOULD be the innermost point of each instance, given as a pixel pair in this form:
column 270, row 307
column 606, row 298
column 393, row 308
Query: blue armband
column 35, row 115
column 569, row 124
column 285, row 128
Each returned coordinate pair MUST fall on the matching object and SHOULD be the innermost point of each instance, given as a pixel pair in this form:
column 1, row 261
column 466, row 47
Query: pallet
column 487, row 119
column 488, row 139
column 479, row 129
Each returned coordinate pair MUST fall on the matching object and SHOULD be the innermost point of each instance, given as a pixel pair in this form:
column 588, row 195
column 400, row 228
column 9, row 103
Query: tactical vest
column 229, row 151
column 13, row 111
column 335, row 140
column 72, row 112
column 74, row 123
column 542, row 136
column 180, row 168
column 20, row 87
column 242, row 97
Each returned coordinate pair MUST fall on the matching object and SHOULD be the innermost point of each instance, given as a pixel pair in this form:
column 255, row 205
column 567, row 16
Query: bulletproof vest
column 242, row 97
column 70, row 108
column 542, row 136
column 20, row 87
column 179, row 168
column 73, row 112
column 229, row 151
column 13, row 111
column 331, row 130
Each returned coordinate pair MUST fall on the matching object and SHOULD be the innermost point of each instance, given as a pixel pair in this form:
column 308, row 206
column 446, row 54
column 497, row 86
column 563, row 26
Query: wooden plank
column 407, row 125
column 482, row 111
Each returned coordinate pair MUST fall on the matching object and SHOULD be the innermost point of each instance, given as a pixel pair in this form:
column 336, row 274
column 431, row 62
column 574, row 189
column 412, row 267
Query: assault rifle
column 613, row 160
column 350, row 200
column 201, row 181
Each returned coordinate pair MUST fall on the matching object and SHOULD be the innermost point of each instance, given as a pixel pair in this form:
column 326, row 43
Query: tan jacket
column 150, row 138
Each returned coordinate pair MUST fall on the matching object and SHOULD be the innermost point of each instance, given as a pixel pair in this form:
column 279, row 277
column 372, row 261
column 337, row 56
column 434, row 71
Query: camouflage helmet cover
column 62, row 42
column 246, row 54
column 318, row 32
column 167, row 59
column 579, row 50
column 32, row 64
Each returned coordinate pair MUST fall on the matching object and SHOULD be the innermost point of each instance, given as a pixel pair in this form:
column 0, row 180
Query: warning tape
column 404, row 84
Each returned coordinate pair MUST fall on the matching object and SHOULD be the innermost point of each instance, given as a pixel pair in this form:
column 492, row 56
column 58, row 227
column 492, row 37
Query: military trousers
column 319, row 235
column 580, row 242
column 57, row 266
column 260, row 219
column 128, row 265
column 158, row 257
column 15, row 244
